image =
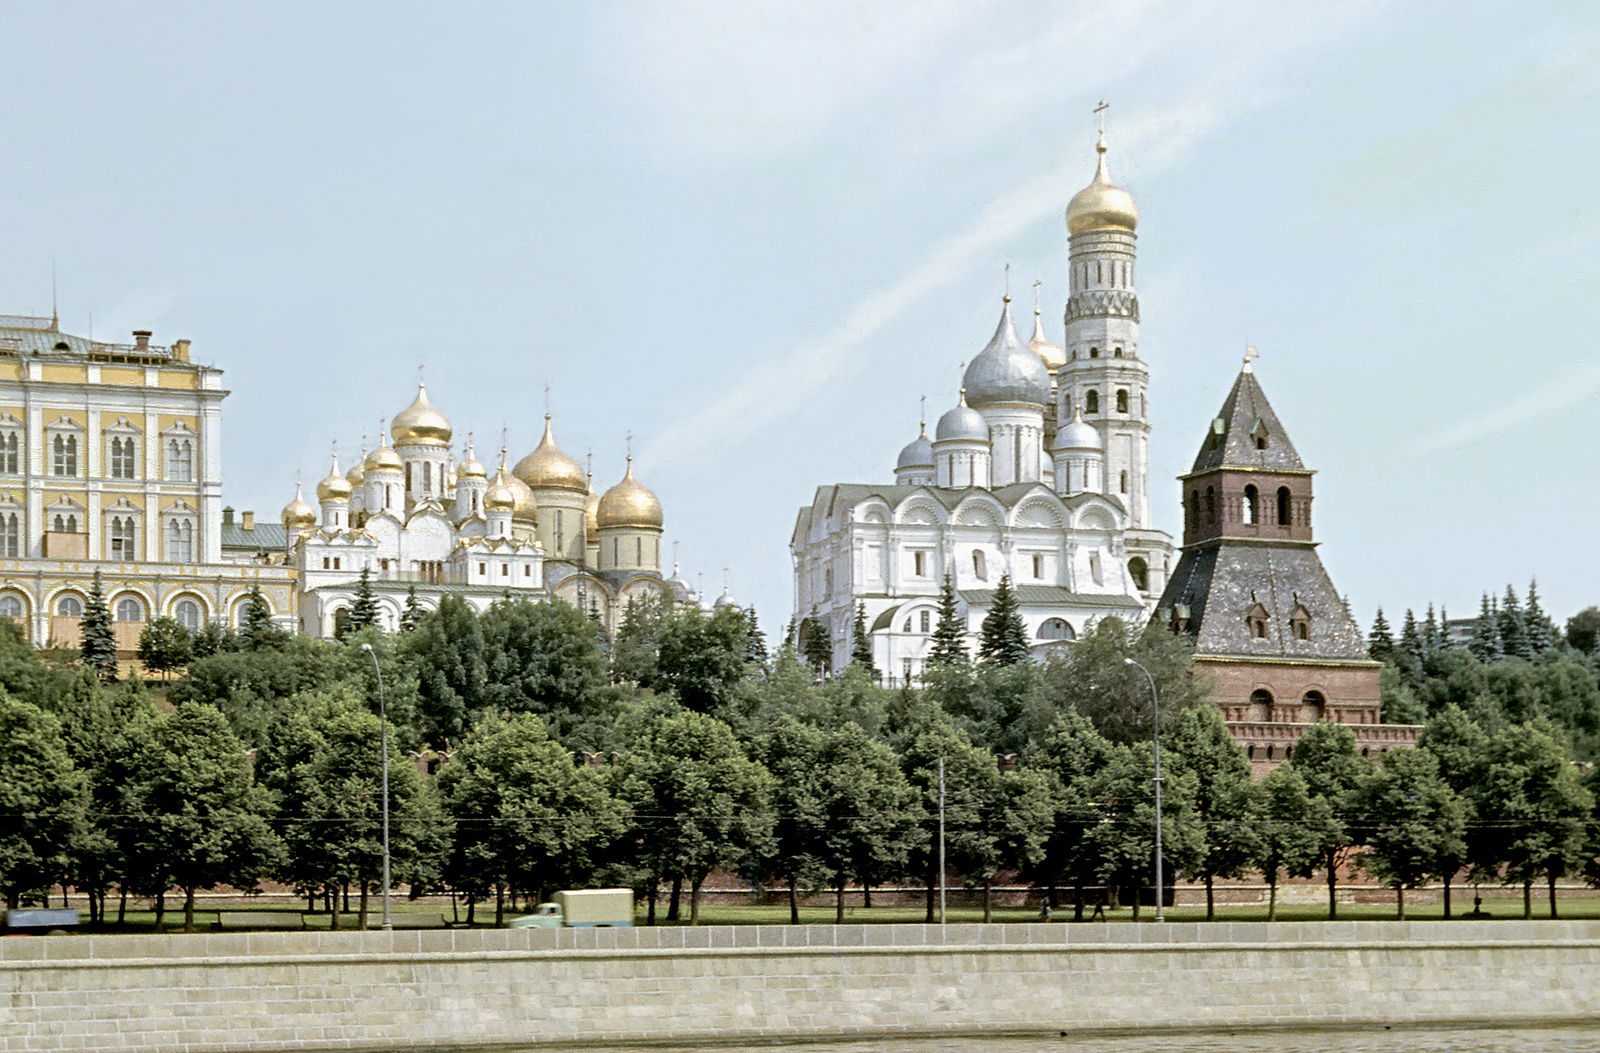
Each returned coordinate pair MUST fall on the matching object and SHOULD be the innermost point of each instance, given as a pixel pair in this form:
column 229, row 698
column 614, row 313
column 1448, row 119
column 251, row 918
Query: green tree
column 1583, row 630
column 1123, row 843
column 698, row 802
column 814, row 643
column 1409, row 653
column 1223, row 796
column 1486, row 645
column 1070, row 754
column 192, row 817
column 1380, row 642
column 861, row 644
column 971, row 780
column 412, row 614
column 1398, row 703
column 525, row 817
column 633, row 658
column 1540, row 630
column 1326, row 758
column 363, row 613
column 1414, row 824
column 1534, row 798
column 701, row 659
column 755, row 640
column 1291, row 829
column 1514, row 627
column 449, row 657
column 1461, row 749
column 1003, row 639
column 99, row 644
column 543, row 658
column 165, row 645
column 259, row 632
column 44, row 796
column 989, row 701
column 948, row 645
column 793, row 751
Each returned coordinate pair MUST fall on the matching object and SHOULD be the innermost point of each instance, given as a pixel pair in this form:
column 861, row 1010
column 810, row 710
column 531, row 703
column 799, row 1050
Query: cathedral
column 421, row 523
column 1040, row 471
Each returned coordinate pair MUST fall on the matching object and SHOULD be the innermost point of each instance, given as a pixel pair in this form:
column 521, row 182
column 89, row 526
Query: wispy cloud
column 1556, row 394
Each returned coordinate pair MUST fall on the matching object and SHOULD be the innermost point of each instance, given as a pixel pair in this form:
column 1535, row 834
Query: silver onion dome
column 1079, row 435
column 917, row 454
column 1006, row 371
column 963, row 422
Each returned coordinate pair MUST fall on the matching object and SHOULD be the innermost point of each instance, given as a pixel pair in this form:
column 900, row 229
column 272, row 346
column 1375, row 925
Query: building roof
column 1246, row 416
column 1055, row 596
column 265, row 536
column 30, row 336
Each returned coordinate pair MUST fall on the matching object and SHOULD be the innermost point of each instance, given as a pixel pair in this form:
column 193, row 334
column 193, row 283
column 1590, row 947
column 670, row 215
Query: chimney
column 141, row 339
column 180, row 350
column 227, row 516
column 249, row 521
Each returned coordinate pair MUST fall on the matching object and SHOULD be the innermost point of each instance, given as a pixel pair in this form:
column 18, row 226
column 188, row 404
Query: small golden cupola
column 357, row 472
column 335, row 487
column 1102, row 205
column 420, row 423
column 1053, row 356
column 471, row 468
column 297, row 514
column 547, row 468
column 591, row 516
column 383, row 458
column 628, row 504
column 525, row 508
column 499, row 498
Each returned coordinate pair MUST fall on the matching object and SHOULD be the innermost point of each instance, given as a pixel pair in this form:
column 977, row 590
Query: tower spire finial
column 1037, row 283
column 1008, row 283
column 1100, row 116
column 1249, row 353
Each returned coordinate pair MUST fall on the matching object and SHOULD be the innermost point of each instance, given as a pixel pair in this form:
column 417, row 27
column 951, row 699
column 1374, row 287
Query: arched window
column 1139, row 571
column 180, row 541
column 188, row 614
column 69, row 607
column 408, row 477
column 1056, row 629
column 1300, row 623
column 10, row 458
column 1091, row 399
column 1259, row 435
column 1122, row 400
column 979, row 570
column 1313, row 706
column 122, row 538
column 122, row 463
column 180, row 460
column 1124, row 482
column 65, row 460
column 925, row 620
column 1194, row 509
column 10, row 606
column 1283, row 506
column 10, row 536
column 1258, row 622
column 130, row 609
column 1117, row 353
column 427, row 476
column 1252, row 504
column 1261, row 707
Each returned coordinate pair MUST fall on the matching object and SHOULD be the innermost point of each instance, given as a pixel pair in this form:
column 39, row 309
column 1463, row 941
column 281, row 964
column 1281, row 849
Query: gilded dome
column 357, row 472
column 523, row 507
column 917, row 454
column 629, row 504
column 384, row 459
column 471, row 468
column 499, row 498
column 297, row 515
column 548, row 468
column 1101, row 205
column 962, row 423
column 591, row 518
column 420, row 422
column 1005, row 371
column 1054, row 357
column 1079, row 436
column 335, row 487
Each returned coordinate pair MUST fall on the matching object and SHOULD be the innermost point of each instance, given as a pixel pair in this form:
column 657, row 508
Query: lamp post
column 1155, row 702
column 383, row 736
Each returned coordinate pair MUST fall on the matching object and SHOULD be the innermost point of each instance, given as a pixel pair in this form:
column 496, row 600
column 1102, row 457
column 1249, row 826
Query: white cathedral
column 1040, row 471
column 418, row 522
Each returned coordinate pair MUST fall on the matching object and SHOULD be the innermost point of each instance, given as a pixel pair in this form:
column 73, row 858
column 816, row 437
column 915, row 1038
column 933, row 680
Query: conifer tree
column 364, row 612
column 814, row 643
column 1485, row 643
column 755, row 639
column 259, row 633
column 1408, row 651
column 99, row 643
column 1513, row 627
column 412, row 611
column 1380, row 642
column 1003, row 640
column 861, row 644
column 1444, row 629
column 950, row 634
column 1540, row 630
column 1430, row 633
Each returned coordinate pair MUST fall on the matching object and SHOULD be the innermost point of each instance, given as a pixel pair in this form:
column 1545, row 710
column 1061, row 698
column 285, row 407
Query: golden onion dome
column 1102, row 205
column 499, row 498
column 524, row 508
column 420, row 422
column 1054, row 357
column 335, row 487
column 591, row 518
column 357, row 473
column 297, row 515
column 471, row 468
column 384, row 459
column 547, row 468
column 628, row 504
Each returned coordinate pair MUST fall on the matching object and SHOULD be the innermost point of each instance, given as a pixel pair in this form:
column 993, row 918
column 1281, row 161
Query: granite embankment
column 481, row 989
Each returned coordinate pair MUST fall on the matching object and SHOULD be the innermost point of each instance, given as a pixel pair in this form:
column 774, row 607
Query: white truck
column 594, row 908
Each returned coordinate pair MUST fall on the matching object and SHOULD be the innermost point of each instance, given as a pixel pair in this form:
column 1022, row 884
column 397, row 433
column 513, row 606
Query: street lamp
column 1155, row 702
column 383, row 735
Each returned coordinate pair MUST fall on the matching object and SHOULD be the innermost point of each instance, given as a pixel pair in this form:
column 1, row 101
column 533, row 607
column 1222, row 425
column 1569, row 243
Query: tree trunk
column 650, row 897
column 838, row 906
column 866, row 894
column 794, row 903
column 346, row 890
column 1077, row 901
column 694, row 899
column 1400, row 902
column 1211, row 901
column 677, row 891
column 1333, row 883
column 188, row 908
column 122, row 906
column 1137, row 899
column 1527, row 900
column 1447, row 897
column 361, row 916
column 161, row 910
column 499, row 905
column 1552, row 892
column 333, row 910
column 931, row 893
column 1272, row 899
column 988, row 915
column 472, row 909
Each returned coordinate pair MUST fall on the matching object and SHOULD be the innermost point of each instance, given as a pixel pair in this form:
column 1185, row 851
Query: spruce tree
column 1513, row 628
column 1408, row 652
column 1003, row 640
column 1485, row 643
column 861, row 644
column 99, row 642
column 364, row 612
column 950, row 634
column 259, row 632
column 412, row 612
column 814, row 643
column 1380, row 642
column 755, row 640
column 1430, row 633
column 1541, row 631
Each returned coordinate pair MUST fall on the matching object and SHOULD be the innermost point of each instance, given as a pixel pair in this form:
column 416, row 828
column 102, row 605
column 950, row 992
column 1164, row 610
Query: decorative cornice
column 1245, row 659
column 1246, row 469
column 1117, row 303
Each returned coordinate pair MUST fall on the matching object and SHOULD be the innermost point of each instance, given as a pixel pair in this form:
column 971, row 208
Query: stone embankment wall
column 471, row 989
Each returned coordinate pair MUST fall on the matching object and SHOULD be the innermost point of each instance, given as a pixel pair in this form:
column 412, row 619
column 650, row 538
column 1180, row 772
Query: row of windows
column 1094, row 352
column 122, row 457
column 1091, row 401
column 1115, row 273
column 1299, row 622
column 125, row 609
column 1249, row 509
column 1052, row 629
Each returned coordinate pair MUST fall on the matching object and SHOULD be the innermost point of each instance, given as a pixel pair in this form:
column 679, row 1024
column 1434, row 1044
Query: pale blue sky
column 754, row 234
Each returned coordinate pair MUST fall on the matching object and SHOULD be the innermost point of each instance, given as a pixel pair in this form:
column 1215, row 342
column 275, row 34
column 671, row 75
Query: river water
column 1485, row 1040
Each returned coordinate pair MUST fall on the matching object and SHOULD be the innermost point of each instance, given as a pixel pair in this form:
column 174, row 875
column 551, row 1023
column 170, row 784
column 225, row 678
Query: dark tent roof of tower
column 1245, row 416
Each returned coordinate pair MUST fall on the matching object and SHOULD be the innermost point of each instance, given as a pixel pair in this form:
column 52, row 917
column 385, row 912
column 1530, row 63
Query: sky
column 743, row 241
